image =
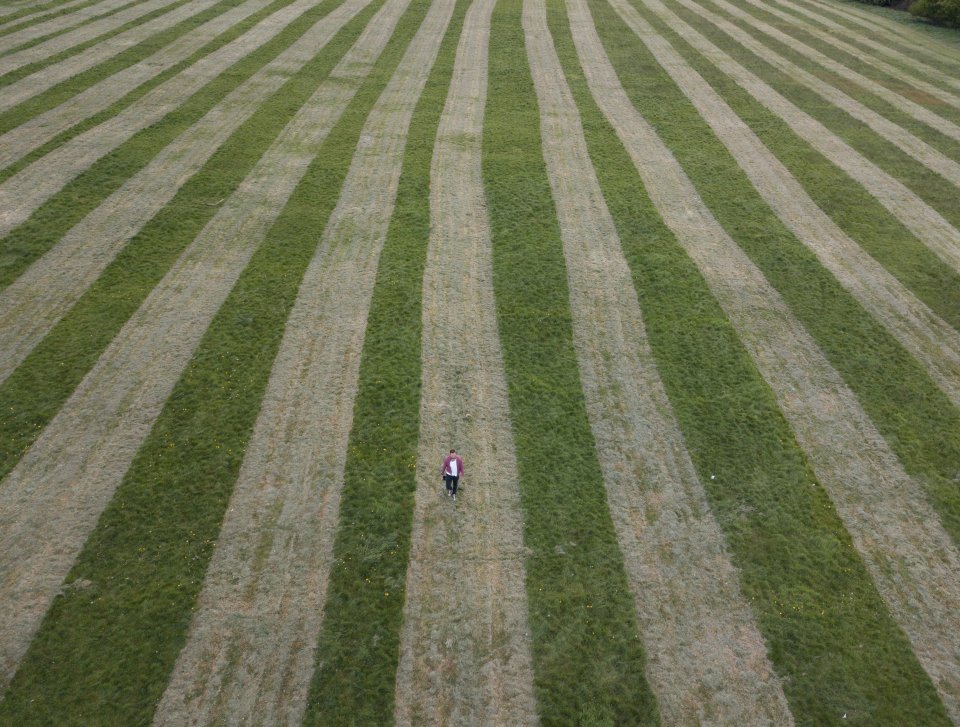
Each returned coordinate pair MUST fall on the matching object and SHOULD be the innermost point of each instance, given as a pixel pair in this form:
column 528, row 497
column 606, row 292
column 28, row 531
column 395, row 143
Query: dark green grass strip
column 359, row 645
column 75, row 84
column 588, row 657
column 830, row 636
column 104, row 653
column 864, row 68
column 83, row 194
column 232, row 77
column 32, row 9
column 64, row 31
column 858, row 213
column 916, row 418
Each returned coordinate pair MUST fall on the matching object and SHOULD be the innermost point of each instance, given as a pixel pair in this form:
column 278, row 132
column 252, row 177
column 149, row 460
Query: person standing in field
column 451, row 472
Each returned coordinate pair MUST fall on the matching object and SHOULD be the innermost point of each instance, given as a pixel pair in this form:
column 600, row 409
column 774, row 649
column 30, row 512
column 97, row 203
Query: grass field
column 679, row 279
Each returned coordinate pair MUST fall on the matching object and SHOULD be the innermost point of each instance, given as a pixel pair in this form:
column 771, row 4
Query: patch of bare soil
column 916, row 215
column 250, row 653
column 708, row 662
column 60, row 43
column 23, row 193
column 42, row 295
column 48, row 76
column 876, row 32
column 465, row 653
column 908, row 553
column 934, row 343
column 897, row 100
column 68, row 476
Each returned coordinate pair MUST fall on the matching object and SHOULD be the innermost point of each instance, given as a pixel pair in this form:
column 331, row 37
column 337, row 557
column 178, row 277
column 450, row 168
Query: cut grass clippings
column 105, row 651
column 87, row 21
column 914, row 415
column 79, row 82
column 587, row 653
column 359, row 646
column 881, row 76
column 209, row 94
column 830, row 635
column 33, row 394
column 83, row 194
column 31, row 9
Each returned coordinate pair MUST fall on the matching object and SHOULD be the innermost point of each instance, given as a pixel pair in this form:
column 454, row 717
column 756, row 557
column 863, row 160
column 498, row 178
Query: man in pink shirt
column 451, row 472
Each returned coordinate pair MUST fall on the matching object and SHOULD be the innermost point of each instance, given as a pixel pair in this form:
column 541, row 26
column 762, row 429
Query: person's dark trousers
column 451, row 483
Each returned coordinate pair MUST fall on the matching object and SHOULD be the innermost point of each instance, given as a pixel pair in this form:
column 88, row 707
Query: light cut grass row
column 924, row 334
column 814, row 601
column 907, row 209
column 32, row 134
column 894, row 39
column 42, row 295
column 29, row 188
column 195, row 449
column 151, row 34
column 37, row 52
column 589, row 662
column 274, row 554
column 917, row 98
column 87, row 448
column 37, row 389
column 919, row 422
column 13, row 19
column 708, row 660
column 911, row 145
column 465, row 643
column 37, row 13
column 357, row 655
column 48, row 27
column 907, row 70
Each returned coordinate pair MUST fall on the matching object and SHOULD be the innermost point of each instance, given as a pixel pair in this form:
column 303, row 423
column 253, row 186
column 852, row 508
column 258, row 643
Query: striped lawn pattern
column 679, row 278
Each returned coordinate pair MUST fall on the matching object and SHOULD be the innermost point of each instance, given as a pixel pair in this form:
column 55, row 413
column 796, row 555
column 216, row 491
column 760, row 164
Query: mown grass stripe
column 889, row 105
column 249, row 654
column 38, row 32
column 915, row 98
column 907, row 142
column 67, row 270
column 35, row 13
column 104, row 59
column 153, row 543
column 465, row 642
column 70, row 473
column 357, row 650
column 588, row 655
column 924, row 334
column 895, row 73
column 39, row 387
column 916, row 418
column 132, row 139
column 831, row 637
column 88, row 33
column 896, row 40
column 897, row 241
column 707, row 656
column 39, row 130
column 71, row 153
